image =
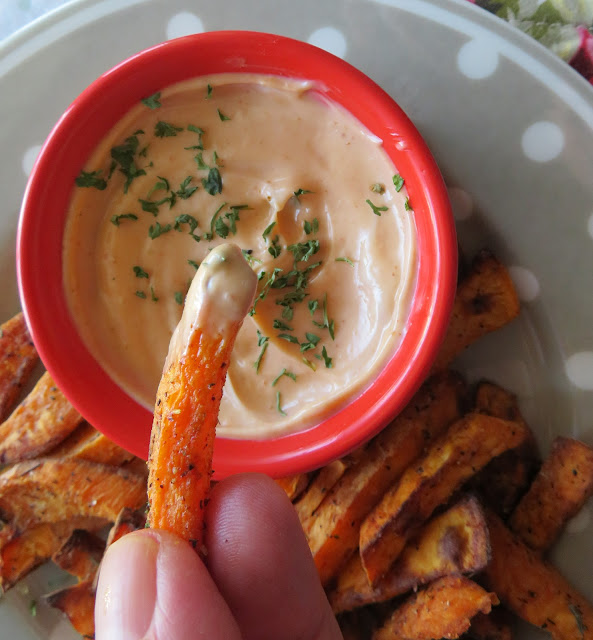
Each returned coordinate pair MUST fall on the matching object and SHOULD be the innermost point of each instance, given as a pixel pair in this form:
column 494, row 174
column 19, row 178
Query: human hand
column 260, row 582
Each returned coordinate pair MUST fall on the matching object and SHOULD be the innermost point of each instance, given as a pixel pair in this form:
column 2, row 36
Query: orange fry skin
column 182, row 441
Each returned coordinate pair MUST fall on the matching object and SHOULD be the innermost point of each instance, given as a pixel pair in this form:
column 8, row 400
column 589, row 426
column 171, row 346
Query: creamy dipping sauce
column 306, row 192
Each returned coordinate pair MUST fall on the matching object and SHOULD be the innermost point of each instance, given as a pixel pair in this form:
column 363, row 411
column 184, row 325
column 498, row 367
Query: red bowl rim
column 39, row 244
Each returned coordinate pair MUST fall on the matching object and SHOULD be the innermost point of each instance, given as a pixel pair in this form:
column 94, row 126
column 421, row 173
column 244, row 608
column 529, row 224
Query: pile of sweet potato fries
column 436, row 528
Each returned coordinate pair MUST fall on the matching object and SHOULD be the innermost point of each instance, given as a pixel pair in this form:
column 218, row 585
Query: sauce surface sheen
column 336, row 270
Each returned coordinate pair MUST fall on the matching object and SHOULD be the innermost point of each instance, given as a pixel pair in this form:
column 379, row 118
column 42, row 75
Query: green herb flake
column 91, row 179
column 302, row 251
column 377, row 188
column 139, row 272
column 267, row 285
column 278, row 404
column 178, row 297
column 376, row 210
column 123, row 155
column 313, row 304
column 326, row 358
column 221, row 115
column 312, row 342
column 248, row 255
column 166, row 129
column 278, row 324
column 262, row 341
column 398, row 182
column 301, row 192
column 200, row 132
column 311, row 226
column 208, row 92
column 202, row 166
column 289, row 338
column 345, row 259
column 185, row 191
column 268, row 230
column 213, row 183
column 153, row 101
column 275, row 249
column 123, row 216
column 161, row 185
column 152, row 206
column 283, row 373
column 141, row 294
column 158, row 230
column 33, row 608
column 407, row 205
column 309, row 364
column 194, row 264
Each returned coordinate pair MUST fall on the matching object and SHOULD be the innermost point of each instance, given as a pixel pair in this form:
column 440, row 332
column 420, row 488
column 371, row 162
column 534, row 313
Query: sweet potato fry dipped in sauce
column 190, row 390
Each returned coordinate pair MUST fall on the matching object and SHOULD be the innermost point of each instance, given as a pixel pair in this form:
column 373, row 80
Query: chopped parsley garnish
column 213, row 183
column 398, row 182
column 302, row 251
column 247, row 254
column 327, row 323
column 152, row 102
column 326, row 358
column 123, row 216
column 289, row 338
column 301, row 192
column 275, row 249
column 151, row 206
column 178, row 297
column 222, row 116
column 208, row 92
column 345, row 259
column 152, row 295
column 310, row 364
column 312, row 226
column 278, row 324
column 200, row 162
column 313, row 304
column 194, row 264
column 377, row 188
column 142, row 154
column 278, row 401
column 209, row 236
column 311, row 343
column 166, row 129
column 139, row 272
column 268, row 229
column 262, row 341
column 154, row 231
column 407, row 205
column 200, row 132
column 161, row 185
column 264, row 292
column 123, row 155
column 91, row 179
column 185, row 191
column 283, row 373
column 33, row 608
column 185, row 218
column 376, row 210
column 141, row 294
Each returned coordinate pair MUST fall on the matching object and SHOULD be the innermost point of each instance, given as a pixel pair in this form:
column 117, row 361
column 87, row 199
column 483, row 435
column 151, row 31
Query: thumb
column 153, row 585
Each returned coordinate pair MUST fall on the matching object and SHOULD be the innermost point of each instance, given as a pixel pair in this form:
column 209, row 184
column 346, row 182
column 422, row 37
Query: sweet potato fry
column 78, row 604
column 325, row 480
column 36, row 545
column 190, row 391
column 486, row 300
column 457, row 455
column 80, row 555
column 333, row 530
column 562, row 486
column 86, row 443
column 294, row 485
column 533, row 589
column 44, row 418
column 491, row 626
column 443, row 610
column 52, row 490
column 504, row 480
column 454, row 542
column 127, row 521
column 18, row 358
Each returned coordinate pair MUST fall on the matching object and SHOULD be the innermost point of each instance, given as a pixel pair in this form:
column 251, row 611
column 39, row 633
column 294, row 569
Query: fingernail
column 126, row 591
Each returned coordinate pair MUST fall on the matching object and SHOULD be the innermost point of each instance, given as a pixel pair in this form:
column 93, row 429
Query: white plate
column 510, row 125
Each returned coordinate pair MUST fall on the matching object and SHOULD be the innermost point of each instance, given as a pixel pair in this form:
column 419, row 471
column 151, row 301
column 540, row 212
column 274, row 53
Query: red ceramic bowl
column 87, row 120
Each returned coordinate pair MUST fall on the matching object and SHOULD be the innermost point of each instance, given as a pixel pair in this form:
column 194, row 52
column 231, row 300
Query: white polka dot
column 579, row 369
column 580, row 522
column 477, row 59
column 461, row 202
column 330, row 39
column 184, row 24
column 29, row 158
column 542, row 141
column 590, row 225
column 525, row 282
